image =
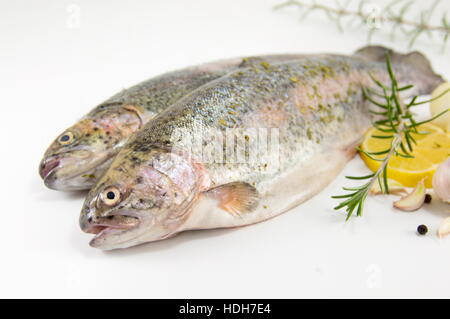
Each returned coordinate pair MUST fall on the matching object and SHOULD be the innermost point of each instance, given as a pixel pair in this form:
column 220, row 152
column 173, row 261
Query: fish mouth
column 51, row 164
column 114, row 225
column 62, row 172
column 47, row 167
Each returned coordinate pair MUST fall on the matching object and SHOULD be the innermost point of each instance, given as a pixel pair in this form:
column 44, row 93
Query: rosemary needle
column 399, row 121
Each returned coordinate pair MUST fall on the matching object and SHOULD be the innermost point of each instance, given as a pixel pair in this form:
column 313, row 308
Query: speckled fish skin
column 77, row 163
column 315, row 103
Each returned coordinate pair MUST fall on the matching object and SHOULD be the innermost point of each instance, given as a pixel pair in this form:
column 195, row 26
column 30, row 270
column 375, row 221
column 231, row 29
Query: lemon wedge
column 431, row 149
column 440, row 102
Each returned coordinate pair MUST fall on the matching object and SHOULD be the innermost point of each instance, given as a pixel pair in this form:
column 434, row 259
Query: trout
column 80, row 155
column 295, row 125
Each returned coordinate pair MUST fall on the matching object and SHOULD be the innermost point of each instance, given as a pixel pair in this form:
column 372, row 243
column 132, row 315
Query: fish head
column 143, row 197
column 79, row 155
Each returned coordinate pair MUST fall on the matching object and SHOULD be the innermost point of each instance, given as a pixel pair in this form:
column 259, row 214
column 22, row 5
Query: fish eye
column 110, row 196
column 66, row 139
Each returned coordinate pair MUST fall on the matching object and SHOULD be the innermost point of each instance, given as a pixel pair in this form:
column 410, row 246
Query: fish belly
column 285, row 192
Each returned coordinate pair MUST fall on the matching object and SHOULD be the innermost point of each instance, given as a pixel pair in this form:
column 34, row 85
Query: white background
column 53, row 70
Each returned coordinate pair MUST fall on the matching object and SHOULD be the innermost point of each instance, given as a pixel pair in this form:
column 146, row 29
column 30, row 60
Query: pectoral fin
column 236, row 198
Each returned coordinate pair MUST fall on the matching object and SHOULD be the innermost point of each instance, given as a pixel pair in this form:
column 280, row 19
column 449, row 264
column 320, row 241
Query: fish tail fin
column 419, row 67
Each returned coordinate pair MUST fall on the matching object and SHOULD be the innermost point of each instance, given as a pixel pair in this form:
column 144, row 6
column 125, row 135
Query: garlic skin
column 444, row 228
column 441, row 181
column 395, row 188
column 414, row 200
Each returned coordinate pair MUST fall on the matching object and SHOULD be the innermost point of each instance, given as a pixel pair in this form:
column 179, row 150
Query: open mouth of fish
column 51, row 166
column 48, row 167
column 115, row 224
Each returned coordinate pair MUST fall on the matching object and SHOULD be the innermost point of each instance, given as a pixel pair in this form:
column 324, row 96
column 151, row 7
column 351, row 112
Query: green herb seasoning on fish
column 272, row 136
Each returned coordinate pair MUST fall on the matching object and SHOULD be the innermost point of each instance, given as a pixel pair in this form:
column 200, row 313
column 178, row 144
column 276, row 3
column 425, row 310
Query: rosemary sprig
column 365, row 13
column 398, row 122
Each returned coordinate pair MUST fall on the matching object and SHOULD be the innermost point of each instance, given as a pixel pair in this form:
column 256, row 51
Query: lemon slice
column 431, row 149
column 440, row 102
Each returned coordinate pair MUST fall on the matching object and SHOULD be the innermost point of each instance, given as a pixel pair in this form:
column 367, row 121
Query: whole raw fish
column 295, row 125
column 80, row 155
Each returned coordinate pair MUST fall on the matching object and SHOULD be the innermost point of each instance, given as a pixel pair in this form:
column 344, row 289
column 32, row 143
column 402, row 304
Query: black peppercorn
column 422, row 229
column 427, row 198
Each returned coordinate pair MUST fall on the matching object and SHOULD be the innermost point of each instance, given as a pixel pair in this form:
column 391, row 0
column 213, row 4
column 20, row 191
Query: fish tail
column 421, row 72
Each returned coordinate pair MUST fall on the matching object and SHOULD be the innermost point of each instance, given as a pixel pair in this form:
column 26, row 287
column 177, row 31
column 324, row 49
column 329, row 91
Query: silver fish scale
column 157, row 93
column 154, row 95
column 314, row 102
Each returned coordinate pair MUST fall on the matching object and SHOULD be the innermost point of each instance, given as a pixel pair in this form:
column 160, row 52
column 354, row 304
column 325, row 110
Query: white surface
column 52, row 72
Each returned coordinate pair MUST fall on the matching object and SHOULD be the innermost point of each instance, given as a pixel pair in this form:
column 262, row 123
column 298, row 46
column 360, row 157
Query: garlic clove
column 444, row 228
column 441, row 181
column 395, row 188
column 414, row 200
